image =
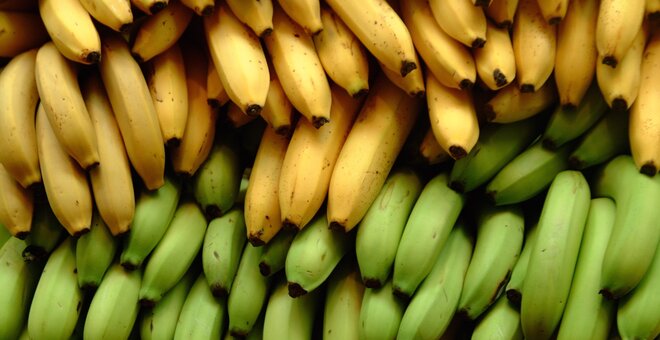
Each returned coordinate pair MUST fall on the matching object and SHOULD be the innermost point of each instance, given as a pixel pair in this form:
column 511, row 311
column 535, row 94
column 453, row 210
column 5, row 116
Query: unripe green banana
column 433, row 306
column 274, row 255
column 500, row 233
column 95, row 252
column 4, row 234
column 553, row 258
column 153, row 213
column 221, row 252
column 606, row 139
column 249, row 292
column 500, row 322
column 431, row 220
column 514, row 286
column 114, row 307
column 343, row 302
column 381, row 228
column 587, row 314
column 290, row 318
column 381, row 313
column 45, row 234
column 57, row 300
column 314, row 253
column 202, row 315
column 174, row 254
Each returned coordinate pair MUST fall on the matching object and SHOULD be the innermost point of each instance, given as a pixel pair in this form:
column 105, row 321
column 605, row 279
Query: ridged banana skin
column 635, row 236
column 381, row 313
column 501, row 321
column 307, row 13
column 555, row 253
column 16, row 205
column 18, row 103
column 278, row 111
column 606, row 139
column 574, row 72
column 511, row 105
column 114, row 307
column 429, row 225
column 57, row 299
column 257, row 14
column 72, row 30
column 587, row 314
column 381, row 31
column 243, row 74
column 412, row 83
column 618, row 24
column 62, row 99
column 343, row 302
column 314, row 253
column 151, row 7
column 553, row 11
column 202, row 315
column 174, row 253
column 161, row 30
column 23, row 31
column 514, row 287
column 153, row 213
column 111, row 181
column 310, row 158
column 502, row 12
column 200, row 7
column 221, row 251
column 432, row 308
column 461, row 20
column 499, row 240
column 290, row 318
column 378, row 134
column 496, row 62
column 273, row 257
column 68, row 192
column 95, row 252
column 380, row 230
column 249, row 293
column 115, row 14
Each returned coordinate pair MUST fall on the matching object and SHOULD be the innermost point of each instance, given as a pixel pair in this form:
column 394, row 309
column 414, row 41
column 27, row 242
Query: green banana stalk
column 202, row 315
column 500, row 322
column 290, row 318
column 381, row 228
column 553, row 258
column 45, row 234
column 274, row 255
column 174, row 254
column 513, row 288
column 343, row 302
column 381, row 313
column 95, row 252
column 221, row 252
column 153, row 214
column 431, row 220
column 606, row 139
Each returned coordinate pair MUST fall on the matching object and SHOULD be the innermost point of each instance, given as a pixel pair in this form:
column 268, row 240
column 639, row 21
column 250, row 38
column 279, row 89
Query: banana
column 114, row 307
column 635, row 231
column 299, row 68
column 290, row 318
column 343, row 302
column 511, row 105
column 482, row 3
column 502, row 12
column 461, row 20
column 307, row 13
column 201, row 7
column 433, row 306
column 616, row 28
column 574, row 72
column 587, row 313
column 377, row 136
column 314, row 254
column 429, row 225
column 18, row 103
column 381, row 313
column 16, row 206
column 95, row 252
column 46, row 233
column 249, row 293
column 244, row 73
column 4, row 235
column 221, row 251
column 309, row 160
column 134, row 110
column 56, row 303
column 412, row 83
column 431, row 151
column 63, row 103
column 554, row 11
column 215, row 92
column 257, row 14
column 174, row 253
column 67, row 189
column 278, row 111
column 652, row 10
column 528, row 174
column 236, row 118
column 202, row 315
column 381, row 31
column 513, row 288
column 153, row 214
column 151, row 7
column 534, row 46
column 161, row 30
column 555, row 252
column 23, row 31
column 273, row 257
column 496, row 63
column 606, row 139
column 115, row 14
column 500, row 321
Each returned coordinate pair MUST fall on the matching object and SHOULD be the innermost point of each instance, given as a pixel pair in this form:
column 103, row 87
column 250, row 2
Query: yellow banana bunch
column 618, row 24
column 22, row 31
column 553, row 11
column 307, row 13
column 150, row 7
column 257, row 14
column 115, row 14
column 496, row 61
column 502, row 12
column 161, row 30
column 461, row 20
column 412, row 83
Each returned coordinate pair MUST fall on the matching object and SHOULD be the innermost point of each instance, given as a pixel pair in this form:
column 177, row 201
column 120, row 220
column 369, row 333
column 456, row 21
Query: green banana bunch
column 343, row 302
column 381, row 313
column 153, row 214
column 500, row 232
column 500, row 322
column 381, row 228
column 257, row 332
column 221, row 252
column 95, row 252
column 587, row 314
column 553, row 258
column 174, row 254
column 314, row 253
column 433, row 306
column 429, row 224
column 290, row 318
column 513, row 288
column 606, row 139
column 45, row 234
column 202, row 315
column 274, row 255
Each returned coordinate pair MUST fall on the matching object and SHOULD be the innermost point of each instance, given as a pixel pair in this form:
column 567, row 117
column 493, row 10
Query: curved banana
column 502, row 319
column 502, row 12
column 215, row 92
column 461, row 20
column 381, row 313
column 115, row 14
column 151, row 7
column 510, row 104
column 16, row 206
column 273, row 257
column 514, row 287
column 278, row 111
column 554, row 11
column 45, row 235
column 161, row 30
column 606, row 139
column 202, row 315
column 496, row 62
column 307, row 13
column 95, row 252
column 431, row 151
column 235, row 117
column 290, row 318
column 222, row 247
column 412, row 83
column 618, row 24
column 257, row 14
column 202, row 8
column 23, row 31
column 343, row 302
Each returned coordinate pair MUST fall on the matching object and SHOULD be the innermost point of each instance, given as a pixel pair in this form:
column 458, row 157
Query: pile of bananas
column 336, row 169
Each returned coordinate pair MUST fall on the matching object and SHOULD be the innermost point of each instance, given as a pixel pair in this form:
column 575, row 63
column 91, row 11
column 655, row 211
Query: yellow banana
column 553, row 11
column 16, row 206
column 461, row 20
column 502, row 12
column 115, row 14
column 235, row 117
column 431, row 150
column 412, row 83
column 22, row 31
column 496, row 62
column 257, row 14
column 307, row 13
column 278, row 111
column 653, row 10
column 150, row 7
column 510, row 104
column 161, row 30
column 201, row 7
column 215, row 92
column 618, row 24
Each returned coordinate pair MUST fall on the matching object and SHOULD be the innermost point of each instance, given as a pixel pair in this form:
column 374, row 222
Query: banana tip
column 207, row 10
column 514, row 297
column 319, row 121
column 218, row 290
column 554, row 20
column 288, row 225
column 549, row 144
column 253, row 110
column 466, row 84
column 157, row 7
column 457, row 152
column 266, row 32
column 360, row 93
column 478, row 43
column 648, row 169
column 457, row 186
column 527, row 88
column 80, row 232
column 607, row 294
column 129, row 266
column 33, row 253
column 255, row 241
column 173, row 142
column 500, row 78
column 295, row 290
column 401, row 294
column 92, row 57
column 619, row 105
column 264, row 269
column 212, row 211
column 610, row 61
column 22, row 235
column 147, row 303
column 334, row 225
column 407, row 66
column 372, row 283
column 575, row 163
column 482, row 3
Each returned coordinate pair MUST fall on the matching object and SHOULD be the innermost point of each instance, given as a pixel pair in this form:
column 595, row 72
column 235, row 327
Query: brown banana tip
column 466, row 84
column 514, row 297
column 654, row 16
column 289, row 226
column 462, row 315
column 295, row 290
column 147, row 303
column 207, row 10
column 527, row 88
column 157, row 7
column 607, row 294
column 418, row 94
column 93, row 57
column 264, row 269
column 253, row 110
column 255, row 239
column 610, row 61
column 554, row 20
column 212, row 211
column 400, row 294
column 214, row 103
column 372, row 283
column 457, row 152
column 568, row 106
column 457, row 186
column 33, row 253
column 218, row 291
column 125, row 28
column 360, row 93
column 575, row 163
column 92, row 166
column 482, row 3
column 137, row 57
column 619, row 105
column 319, row 121
column 648, row 169
column 238, row 333
column 266, row 32
column 407, row 66
column 549, row 144
column 173, row 142
column 478, row 43
column 499, row 77
column 334, row 225
column 128, row 266
column 80, row 232
column 489, row 113
column 22, row 235
column 504, row 24
column 284, row 130
column 89, row 287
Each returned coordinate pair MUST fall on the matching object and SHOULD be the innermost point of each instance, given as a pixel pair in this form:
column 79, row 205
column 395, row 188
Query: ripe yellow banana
column 431, row 150
column 278, row 111
column 150, row 7
column 16, row 205
column 496, row 62
column 115, row 14
column 215, row 92
column 652, row 10
column 461, row 20
column 161, row 30
column 553, row 11
column 22, row 31
column 307, row 13
column 502, row 12
column 201, row 7
column 235, row 117
column 257, row 14
column 412, row 83
column 618, row 24
column 511, row 105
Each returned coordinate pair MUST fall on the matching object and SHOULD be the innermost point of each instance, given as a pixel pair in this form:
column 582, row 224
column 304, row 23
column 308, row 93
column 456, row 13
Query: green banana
column 498, row 144
column 202, row 315
column 553, row 258
column 566, row 124
column 513, row 288
column 242, row 188
column 221, row 252
column 249, row 292
column 381, row 228
column 290, row 318
column 45, row 234
column 433, row 306
column 174, row 254
column 528, row 174
column 257, row 332
column 57, row 299
column 606, row 139
column 431, row 220
column 4, row 234
column 636, row 235
column 274, row 255
column 587, row 314
column 500, row 322
column 381, row 313
column 314, row 253
column 95, row 252
column 114, row 307
column 343, row 302
column 500, row 232
column 153, row 213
